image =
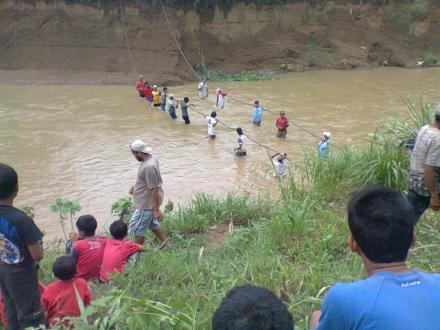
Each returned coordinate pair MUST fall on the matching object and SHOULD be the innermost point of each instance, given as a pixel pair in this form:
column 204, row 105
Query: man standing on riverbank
column 424, row 174
column 20, row 248
column 147, row 194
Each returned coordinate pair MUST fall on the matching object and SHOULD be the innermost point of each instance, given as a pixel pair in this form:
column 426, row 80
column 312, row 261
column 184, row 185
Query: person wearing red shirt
column 148, row 93
column 117, row 251
column 60, row 298
column 140, row 86
column 89, row 249
column 282, row 123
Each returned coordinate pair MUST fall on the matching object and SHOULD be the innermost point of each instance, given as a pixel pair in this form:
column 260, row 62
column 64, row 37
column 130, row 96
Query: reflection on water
column 73, row 141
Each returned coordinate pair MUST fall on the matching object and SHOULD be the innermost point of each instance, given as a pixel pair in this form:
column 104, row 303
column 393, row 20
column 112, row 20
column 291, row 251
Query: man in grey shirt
column 424, row 174
column 147, row 194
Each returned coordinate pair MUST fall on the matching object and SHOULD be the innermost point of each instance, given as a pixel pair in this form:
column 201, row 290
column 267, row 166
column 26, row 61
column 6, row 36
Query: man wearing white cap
column 147, row 194
column 424, row 173
column 323, row 145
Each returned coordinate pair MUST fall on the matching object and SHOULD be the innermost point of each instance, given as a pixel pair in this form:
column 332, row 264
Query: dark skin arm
column 430, row 181
column 36, row 251
column 156, row 199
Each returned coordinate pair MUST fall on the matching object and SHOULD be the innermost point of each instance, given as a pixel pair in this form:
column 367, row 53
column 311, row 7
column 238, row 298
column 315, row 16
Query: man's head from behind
column 8, row 182
column 86, row 225
column 381, row 222
column 64, row 268
column 251, row 308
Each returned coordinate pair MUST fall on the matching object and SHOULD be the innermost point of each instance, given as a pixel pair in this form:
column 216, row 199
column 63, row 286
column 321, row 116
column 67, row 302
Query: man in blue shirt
column 20, row 249
column 323, row 145
column 393, row 296
column 257, row 114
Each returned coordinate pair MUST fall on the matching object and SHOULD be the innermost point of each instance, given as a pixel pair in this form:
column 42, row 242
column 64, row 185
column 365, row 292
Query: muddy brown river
column 73, row 141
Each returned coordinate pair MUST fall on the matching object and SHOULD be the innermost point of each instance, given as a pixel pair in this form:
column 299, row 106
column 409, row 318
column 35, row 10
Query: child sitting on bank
column 117, row 251
column 88, row 249
column 60, row 298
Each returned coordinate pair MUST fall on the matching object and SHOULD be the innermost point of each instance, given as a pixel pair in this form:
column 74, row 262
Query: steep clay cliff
column 66, row 40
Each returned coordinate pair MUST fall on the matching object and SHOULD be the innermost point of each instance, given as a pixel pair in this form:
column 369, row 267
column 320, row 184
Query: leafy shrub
column 431, row 59
column 418, row 11
column 286, row 67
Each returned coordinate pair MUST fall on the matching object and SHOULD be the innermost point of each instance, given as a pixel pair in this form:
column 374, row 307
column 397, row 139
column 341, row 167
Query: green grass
column 431, row 59
column 295, row 246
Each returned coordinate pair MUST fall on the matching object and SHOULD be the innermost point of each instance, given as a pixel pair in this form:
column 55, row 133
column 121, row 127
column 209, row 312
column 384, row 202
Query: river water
column 73, row 141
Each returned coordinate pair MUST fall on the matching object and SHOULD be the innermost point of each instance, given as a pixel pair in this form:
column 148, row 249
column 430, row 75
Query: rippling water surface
column 73, row 141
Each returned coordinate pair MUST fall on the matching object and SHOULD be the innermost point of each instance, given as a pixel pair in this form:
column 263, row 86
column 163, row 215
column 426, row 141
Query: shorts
column 240, row 153
column 141, row 220
column 186, row 119
column 162, row 106
column 257, row 123
column 282, row 134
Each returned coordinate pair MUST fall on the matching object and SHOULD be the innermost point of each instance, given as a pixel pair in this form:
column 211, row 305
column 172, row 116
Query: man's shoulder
column 352, row 290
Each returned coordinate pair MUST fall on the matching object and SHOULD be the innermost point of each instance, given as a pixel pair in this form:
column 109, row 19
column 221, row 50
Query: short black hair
column 382, row 222
column 186, row 99
column 251, row 308
column 87, row 224
column 213, row 114
column 239, row 131
column 165, row 88
column 437, row 117
column 118, row 229
column 64, row 268
column 8, row 181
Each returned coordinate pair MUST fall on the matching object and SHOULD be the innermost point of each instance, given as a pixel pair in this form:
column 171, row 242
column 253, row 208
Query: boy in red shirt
column 282, row 123
column 148, row 93
column 117, row 251
column 60, row 299
column 88, row 249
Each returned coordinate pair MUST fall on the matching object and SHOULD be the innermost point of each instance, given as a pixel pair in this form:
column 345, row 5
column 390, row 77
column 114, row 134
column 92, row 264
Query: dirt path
column 217, row 235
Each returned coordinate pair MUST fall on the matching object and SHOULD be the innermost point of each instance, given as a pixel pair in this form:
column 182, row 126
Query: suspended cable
column 133, row 67
column 176, row 42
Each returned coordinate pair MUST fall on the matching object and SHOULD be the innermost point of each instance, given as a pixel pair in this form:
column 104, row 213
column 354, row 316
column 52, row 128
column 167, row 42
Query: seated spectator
column 88, row 249
column 60, row 298
column 393, row 296
column 251, row 308
column 117, row 251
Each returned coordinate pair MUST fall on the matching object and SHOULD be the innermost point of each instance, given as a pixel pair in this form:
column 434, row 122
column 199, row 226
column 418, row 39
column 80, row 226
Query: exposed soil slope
column 85, row 42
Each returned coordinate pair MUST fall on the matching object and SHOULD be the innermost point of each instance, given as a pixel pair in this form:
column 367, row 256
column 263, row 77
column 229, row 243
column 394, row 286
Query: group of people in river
column 381, row 221
column 166, row 101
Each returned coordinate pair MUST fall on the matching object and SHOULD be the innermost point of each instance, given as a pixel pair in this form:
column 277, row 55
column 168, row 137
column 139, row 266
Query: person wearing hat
column 155, row 97
column 323, row 145
column 424, row 173
column 140, row 86
column 282, row 123
column 147, row 194
column 172, row 105
column 203, row 89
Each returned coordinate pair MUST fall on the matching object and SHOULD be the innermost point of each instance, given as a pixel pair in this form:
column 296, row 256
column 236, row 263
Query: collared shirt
column 426, row 152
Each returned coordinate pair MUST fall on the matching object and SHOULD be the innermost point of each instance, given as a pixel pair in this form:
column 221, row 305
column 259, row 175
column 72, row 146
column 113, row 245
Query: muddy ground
column 68, row 42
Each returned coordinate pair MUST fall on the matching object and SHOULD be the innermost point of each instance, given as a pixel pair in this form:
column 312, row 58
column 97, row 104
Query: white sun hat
column 327, row 134
column 141, row 146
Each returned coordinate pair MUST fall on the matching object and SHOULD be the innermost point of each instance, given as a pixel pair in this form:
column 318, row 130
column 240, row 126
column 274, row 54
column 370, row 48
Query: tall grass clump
column 380, row 160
